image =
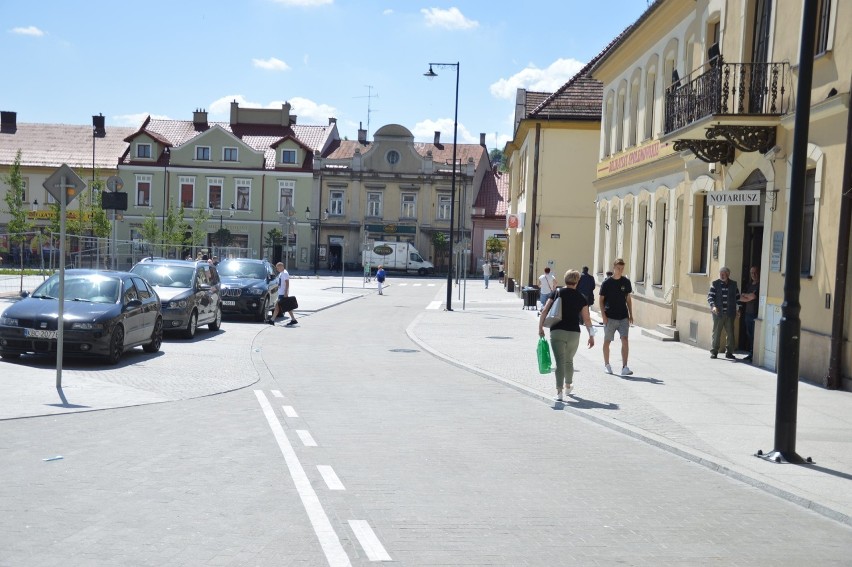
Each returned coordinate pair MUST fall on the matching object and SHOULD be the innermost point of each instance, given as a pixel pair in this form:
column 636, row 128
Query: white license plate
column 230, row 303
column 40, row 333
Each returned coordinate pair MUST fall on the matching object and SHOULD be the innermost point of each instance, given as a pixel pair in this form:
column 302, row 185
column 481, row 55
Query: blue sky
column 66, row 60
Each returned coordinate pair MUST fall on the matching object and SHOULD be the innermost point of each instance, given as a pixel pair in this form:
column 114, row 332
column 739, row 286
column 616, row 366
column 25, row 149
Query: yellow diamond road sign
column 64, row 183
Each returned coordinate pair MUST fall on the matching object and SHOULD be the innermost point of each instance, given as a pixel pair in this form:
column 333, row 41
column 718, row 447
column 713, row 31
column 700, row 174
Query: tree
column 19, row 225
column 223, row 237
column 497, row 156
column 197, row 230
column 151, row 230
column 441, row 244
column 494, row 246
column 274, row 237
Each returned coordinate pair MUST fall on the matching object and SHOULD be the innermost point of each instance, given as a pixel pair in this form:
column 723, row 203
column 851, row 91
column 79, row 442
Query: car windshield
column 242, row 270
column 166, row 276
column 93, row 288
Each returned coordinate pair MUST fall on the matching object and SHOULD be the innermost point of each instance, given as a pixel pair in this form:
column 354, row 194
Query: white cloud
column 308, row 111
column 387, row 12
column 136, row 120
column 535, row 79
column 29, row 30
column 424, row 131
column 304, row 3
column 271, row 64
column 451, row 19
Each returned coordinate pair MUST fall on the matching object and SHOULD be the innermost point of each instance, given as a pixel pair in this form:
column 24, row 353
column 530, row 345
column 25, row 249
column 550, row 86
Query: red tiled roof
column 493, row 195
column 51, row 145
column 260, row 137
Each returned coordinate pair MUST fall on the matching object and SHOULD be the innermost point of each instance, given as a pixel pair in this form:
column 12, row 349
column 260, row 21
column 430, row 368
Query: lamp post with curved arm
column 432, row 74
column 316, row 223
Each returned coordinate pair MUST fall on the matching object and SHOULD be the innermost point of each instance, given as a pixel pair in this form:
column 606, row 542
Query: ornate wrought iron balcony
column 727, row 90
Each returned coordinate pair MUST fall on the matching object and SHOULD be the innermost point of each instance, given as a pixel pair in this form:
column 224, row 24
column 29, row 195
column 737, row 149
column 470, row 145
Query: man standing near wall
column 723, row 297
column 750, row 301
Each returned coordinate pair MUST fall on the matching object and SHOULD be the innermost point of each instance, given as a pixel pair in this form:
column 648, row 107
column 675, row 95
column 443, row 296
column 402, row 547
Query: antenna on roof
column 369, row 98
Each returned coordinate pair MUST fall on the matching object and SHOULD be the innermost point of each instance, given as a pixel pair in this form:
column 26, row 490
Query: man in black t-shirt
column 616, row 308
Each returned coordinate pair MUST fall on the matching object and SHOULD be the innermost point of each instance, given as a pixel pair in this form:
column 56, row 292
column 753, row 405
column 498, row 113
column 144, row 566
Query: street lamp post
column 316, row 223
column 166, row 154
column 431, row 74
column 219, row 234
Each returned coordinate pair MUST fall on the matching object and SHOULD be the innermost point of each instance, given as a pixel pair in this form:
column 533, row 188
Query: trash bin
column 530, row 297
column 510, row 285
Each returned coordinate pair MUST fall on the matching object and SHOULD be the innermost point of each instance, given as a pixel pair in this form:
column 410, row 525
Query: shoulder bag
column 554, row 316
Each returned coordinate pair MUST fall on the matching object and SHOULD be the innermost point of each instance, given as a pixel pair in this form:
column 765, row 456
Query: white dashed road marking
column 435, row 305
column 289, row 411
column 330, row 477
column 368, row 540
column 277, row 393
column 306, row 438
column 326, row 535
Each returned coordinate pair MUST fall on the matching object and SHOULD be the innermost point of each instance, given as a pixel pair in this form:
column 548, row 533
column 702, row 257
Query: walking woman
column 565, row 335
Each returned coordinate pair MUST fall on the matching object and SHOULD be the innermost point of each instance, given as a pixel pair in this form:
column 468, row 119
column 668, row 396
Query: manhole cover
column 404, row 350
column 500, row 338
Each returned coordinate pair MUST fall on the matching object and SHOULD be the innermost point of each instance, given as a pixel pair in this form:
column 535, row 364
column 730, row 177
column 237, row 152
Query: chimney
column 437, row 137
column 362, row 134
column 8, row 121
column 286, row 118
column 332, row 120
column 199, row 118
column 482, row 139
column 235, row 113
column 98, row 126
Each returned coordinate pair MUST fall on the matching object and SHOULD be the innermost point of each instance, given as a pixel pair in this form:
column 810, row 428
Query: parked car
column 189, row 291
column 105, row 313
column 249, row 287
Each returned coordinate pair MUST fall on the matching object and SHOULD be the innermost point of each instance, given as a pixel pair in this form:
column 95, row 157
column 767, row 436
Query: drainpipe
column 832, row 381
column 534, row 212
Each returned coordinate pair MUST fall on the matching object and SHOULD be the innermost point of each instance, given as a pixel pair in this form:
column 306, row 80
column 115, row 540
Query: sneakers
column 607, row 368
column 730, row 356
column 271, row 321
column 558, row 395
column 626, row 371
column 291, row 323
column 713, row 355
column 569, row 388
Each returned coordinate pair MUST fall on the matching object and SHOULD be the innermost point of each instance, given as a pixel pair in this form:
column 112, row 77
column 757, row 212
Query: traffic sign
column 64, row 185
column 114, row 183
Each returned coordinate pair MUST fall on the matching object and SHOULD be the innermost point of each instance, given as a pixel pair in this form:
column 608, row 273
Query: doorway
column 752, row 240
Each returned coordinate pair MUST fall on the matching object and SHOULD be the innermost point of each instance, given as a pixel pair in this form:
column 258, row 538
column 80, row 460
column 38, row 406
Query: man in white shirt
column 283, row 295
column 546, row 285
column 486, row 272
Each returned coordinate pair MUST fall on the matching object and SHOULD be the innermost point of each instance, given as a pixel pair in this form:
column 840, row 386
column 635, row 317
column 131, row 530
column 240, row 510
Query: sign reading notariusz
column 722, row 198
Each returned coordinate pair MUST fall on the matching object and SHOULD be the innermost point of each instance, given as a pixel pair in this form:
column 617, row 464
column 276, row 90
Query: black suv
column 249, row 287
column 189, row 292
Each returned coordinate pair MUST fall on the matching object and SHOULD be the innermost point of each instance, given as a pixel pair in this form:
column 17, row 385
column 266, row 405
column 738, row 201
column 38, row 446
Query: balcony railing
column 727, row 89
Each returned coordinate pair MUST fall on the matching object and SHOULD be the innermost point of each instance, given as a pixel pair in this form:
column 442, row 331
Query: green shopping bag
column 543, row 356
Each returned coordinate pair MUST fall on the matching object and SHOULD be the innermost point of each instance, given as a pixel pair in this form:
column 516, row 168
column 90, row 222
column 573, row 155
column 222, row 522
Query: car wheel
column 261, row 315
column 421, row 272
column 10, row 355
column 217, row 322
column 189, row 332
column 116, row 345
column 156, row 337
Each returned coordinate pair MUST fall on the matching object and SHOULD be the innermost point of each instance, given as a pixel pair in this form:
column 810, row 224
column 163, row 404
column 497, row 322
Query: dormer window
column 143, row 151
column 230, row 154
column 202, row 153
column 288, row 156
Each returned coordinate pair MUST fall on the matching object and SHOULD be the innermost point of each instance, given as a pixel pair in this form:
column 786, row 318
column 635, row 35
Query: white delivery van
column 399, row 256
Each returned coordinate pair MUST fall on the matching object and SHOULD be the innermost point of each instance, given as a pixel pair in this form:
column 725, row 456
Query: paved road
column 441, row 466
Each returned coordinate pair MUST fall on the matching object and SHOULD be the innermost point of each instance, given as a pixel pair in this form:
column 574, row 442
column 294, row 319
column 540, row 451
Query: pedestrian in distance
column 587, row 285
column 546, row 285
column 565, row 335
column 380, row 278
column 749, row 301
column 284, row 302
column 486, row 272
column 722, row 298
column 616, row 305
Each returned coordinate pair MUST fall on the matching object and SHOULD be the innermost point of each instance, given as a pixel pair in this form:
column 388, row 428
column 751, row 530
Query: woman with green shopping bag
column 565, row 335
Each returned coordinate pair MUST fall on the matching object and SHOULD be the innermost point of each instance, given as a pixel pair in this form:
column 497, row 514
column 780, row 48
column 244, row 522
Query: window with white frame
column 25, row 185
column 230, row 154
column 444, row 202
column 335, row 203
column 202, row 153
column 288, row 156
column 242, row 190
column 214, row 192
column 660, row 242
column 650, row 102
column 187, row 191
column 286, row 189
column 633, row 125
column 823, row 31
column 143, row 151
column 143, row 190
column 374, row 204
column 619, row 119
column 408, row 209
column 701, row 234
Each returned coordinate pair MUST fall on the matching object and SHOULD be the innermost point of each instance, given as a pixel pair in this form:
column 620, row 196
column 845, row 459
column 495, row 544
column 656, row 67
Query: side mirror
column 25, row 294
